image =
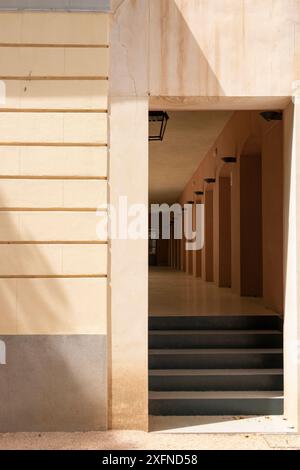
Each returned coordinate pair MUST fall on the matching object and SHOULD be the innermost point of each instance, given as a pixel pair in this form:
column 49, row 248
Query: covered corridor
column 173, row 292
column 216, row 307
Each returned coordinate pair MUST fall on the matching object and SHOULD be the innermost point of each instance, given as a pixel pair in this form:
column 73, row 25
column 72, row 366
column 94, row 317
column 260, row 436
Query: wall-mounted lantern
column 229, row 159
column 272, row 115
column 157, row 125
column 210, row 180
column 199, row 193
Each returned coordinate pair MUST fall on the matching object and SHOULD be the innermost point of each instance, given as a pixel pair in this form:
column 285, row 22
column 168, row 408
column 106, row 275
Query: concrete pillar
column 175, row 253
column 292, row 264
column 187, row 261
column 128, row 280
column 183, row 254
column 197, row 263
column 178, row 248
column 235, row 229
column 272, row 209
column 169, row 252
column 172, row 243
column 251, row 226
column 224, row 226
column 197, row 254
column 209, row 238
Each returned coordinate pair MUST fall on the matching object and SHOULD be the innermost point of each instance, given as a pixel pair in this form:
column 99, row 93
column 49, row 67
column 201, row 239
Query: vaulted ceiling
column 172, row 162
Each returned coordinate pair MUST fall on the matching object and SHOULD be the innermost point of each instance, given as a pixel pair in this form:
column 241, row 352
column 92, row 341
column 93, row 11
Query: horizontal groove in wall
column 52, row 144
column 56, row 276
column 73, row 46
column 45, row 77
column 46, row 177
column 72, row 10
column 52, row 110
column 59, row 242
column 51, row 209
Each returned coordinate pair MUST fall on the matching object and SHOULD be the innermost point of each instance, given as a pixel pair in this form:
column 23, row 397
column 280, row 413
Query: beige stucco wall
column 231, row 48
column 53, row 177
column 53, row 171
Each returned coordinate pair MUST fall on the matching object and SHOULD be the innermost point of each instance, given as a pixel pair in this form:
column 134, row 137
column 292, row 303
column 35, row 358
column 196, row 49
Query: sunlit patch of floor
column 220, row 424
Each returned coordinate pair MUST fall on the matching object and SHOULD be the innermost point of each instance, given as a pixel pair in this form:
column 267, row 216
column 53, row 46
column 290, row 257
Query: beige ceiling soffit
column 115, row 5
column 189, row 136
column 218, row 103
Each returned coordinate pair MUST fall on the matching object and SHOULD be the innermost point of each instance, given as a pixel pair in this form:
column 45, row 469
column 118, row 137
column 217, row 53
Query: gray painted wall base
column 53, row 383
column 58, row 5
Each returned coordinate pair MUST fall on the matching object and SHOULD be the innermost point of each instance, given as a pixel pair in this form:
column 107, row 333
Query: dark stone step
column 216, row 322
column 170, row 339
column 216, row 380
column 215, row 403
column 215, row 358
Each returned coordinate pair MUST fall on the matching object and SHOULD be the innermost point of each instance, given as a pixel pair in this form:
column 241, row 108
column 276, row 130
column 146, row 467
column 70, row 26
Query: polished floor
column 174, row 292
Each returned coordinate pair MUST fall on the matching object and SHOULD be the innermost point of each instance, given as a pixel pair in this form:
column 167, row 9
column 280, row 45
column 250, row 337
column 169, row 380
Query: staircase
column 229, row 365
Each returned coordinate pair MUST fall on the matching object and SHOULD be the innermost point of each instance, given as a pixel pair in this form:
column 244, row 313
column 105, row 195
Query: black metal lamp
column 272, row 115
column 159, row 120
column 210, row 180
column 229, row 159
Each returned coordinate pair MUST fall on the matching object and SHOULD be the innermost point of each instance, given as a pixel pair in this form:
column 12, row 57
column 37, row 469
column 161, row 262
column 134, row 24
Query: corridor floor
column 174, row 292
